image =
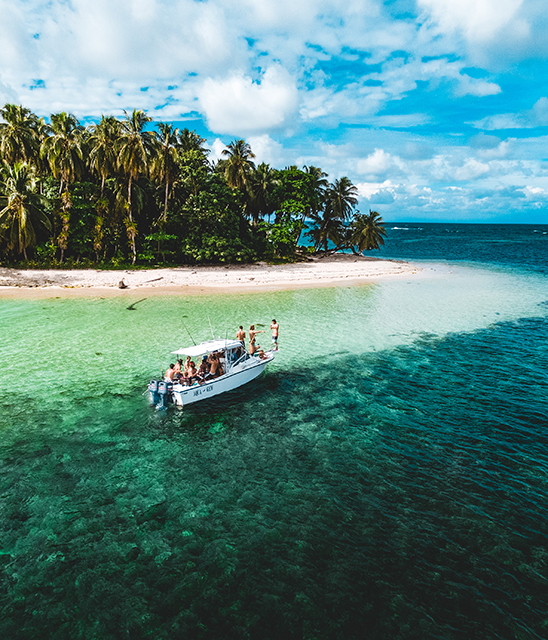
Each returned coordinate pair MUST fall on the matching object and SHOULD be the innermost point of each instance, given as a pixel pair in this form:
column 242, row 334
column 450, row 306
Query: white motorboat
column 238, row 368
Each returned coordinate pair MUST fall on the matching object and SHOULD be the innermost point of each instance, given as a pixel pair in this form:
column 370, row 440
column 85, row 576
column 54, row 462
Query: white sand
column 326, row 271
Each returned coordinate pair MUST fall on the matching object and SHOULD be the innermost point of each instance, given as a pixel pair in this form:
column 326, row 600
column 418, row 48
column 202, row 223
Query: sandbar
column 325, row 271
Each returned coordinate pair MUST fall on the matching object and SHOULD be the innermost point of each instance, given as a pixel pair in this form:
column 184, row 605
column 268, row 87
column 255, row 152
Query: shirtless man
column 275, row 327
column 215, row 370
column 192, row 373
column 203, row 370
column 240, row 335
column 186, row 365
column 170, row 373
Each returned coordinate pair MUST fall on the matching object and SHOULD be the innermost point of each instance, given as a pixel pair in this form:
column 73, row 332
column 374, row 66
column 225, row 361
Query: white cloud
column 369, row 189
column 471, row 169
column 292, row 77
column 535, row 117
column 376, row 163
column 217, row 148
column 479, row 20
column 473, row 87
column 238, row 104
column 267, row 150
column 499, row 151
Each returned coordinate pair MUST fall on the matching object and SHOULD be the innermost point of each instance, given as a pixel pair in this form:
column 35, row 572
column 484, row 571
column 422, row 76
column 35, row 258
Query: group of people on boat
column 188, row 374
column 214, row 365
column 253, row 346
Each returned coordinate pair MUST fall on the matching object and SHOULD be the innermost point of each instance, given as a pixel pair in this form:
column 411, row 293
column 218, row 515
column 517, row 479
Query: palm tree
column 64, row 151
column 18, row 134
column 165, row 162
column 367, row 231
column 261, row 186
column 22, row 208
column 340, row 200
column 238, row 164
column 137, row 150
column 318, row 189
column 190, row 141
column 103, row 142
column 330, row 228
column 43, row 130
column 319, row 186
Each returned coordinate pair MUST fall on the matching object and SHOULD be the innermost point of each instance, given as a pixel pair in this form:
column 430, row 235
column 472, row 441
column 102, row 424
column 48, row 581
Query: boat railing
column 236, row 362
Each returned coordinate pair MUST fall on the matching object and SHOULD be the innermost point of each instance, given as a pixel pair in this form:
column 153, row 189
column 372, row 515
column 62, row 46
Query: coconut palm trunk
column 131, row 227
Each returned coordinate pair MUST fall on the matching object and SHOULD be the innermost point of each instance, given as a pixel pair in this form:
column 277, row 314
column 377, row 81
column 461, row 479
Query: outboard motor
column 164, row 390
column 154, row 395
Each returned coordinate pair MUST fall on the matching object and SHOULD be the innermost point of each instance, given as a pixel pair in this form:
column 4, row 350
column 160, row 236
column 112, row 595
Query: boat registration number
column 207, row 389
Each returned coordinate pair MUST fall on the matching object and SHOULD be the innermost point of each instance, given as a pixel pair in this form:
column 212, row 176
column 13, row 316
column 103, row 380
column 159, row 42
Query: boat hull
column 182, row 396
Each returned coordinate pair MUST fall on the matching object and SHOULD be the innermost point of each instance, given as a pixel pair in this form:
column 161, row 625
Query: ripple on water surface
column 385, row 479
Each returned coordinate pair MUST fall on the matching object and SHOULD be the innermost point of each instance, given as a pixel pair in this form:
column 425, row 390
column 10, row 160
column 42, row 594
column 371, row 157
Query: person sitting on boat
column 262, row 355
column 177, row 371
column 203, row 370
column 192, row 373
column 170, row 373
column 187, row 365
column 252, row 339
column 215, row 369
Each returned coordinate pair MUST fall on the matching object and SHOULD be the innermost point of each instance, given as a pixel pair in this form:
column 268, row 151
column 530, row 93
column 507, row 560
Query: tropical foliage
column 367, row 231
column 129, row 190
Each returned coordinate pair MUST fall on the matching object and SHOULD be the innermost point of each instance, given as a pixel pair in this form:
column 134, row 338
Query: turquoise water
column 386, row 478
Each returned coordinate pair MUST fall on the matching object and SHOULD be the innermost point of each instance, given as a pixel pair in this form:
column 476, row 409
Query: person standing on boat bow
column 275, row 328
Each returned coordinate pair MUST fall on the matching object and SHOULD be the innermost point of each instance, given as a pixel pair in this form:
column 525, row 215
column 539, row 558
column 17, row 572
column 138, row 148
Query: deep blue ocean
column 516, row 245
column 386, row 479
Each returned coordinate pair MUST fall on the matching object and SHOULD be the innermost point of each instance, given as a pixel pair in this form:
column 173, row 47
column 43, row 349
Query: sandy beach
column 318, row 272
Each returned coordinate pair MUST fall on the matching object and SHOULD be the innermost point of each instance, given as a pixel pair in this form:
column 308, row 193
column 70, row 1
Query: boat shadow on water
column 216, row 414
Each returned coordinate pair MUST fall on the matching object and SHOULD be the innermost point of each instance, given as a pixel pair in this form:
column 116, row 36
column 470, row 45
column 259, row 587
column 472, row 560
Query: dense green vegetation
column 132, row 191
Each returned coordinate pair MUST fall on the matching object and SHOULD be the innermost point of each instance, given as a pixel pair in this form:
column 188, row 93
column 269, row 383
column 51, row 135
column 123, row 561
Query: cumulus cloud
column 376, row 164
column 216, row 150
column 369, row 190
column 267, row 150
column 239, row 104
column 383, row 196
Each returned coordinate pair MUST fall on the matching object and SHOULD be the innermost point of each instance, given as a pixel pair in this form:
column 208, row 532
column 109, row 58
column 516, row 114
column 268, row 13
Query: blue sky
column 436, row 109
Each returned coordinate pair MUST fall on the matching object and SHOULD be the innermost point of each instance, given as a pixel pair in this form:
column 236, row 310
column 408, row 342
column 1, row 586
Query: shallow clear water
column 387, row 477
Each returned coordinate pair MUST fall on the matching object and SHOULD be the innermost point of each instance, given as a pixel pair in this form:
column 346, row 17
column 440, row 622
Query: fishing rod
column 187, row 330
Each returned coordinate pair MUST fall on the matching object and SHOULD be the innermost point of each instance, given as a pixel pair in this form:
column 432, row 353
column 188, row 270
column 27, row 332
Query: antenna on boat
column 184, row 325
column 211, row 327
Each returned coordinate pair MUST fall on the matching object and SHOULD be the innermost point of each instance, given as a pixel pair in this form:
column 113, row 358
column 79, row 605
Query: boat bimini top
column 208, row 347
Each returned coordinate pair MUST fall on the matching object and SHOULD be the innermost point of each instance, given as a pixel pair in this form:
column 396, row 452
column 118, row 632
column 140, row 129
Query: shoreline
column 329, row 271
